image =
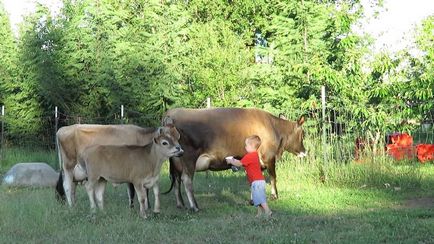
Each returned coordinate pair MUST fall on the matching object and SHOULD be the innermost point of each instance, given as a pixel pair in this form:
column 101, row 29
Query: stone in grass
column 31, row 174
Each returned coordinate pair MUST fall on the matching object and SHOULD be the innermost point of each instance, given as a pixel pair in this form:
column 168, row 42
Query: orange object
column 401, row 139
column 425, row 152
column 401, row 146
column 400, row 152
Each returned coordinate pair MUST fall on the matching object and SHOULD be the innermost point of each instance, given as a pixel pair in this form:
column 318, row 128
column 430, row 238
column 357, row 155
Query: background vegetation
column 153, row 55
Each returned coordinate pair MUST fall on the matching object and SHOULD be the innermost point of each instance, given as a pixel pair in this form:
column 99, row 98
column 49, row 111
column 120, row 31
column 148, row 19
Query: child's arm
column 234, row 162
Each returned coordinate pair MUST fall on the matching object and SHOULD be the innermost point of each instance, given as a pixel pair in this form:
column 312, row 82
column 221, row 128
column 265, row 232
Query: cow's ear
column 155, row 140
column 160, row 130
column 282, row 116
column 175, row 133
column 300, row 121
column 167, row 121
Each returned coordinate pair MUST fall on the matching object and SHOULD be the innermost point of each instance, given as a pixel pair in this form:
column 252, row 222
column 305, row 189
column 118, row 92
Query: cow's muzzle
column 179, row 153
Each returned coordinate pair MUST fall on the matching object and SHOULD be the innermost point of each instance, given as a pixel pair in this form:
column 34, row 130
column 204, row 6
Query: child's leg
column 259, row 211
column 266, row 209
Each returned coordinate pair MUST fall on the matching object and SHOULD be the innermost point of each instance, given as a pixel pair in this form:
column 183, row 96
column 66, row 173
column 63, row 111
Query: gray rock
column 31, row 174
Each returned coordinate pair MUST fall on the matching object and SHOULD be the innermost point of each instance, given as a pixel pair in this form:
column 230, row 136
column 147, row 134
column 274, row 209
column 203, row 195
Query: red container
column 401, row 146
column 425, row 152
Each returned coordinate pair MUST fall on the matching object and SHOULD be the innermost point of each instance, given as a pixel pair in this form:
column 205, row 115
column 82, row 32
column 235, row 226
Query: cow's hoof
column 274, row 197
column 194, row 209
column 157, row 211
column 180, row 206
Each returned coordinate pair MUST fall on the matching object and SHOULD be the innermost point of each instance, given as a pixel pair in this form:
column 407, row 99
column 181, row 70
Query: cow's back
column 76, row 138
column 222, row 131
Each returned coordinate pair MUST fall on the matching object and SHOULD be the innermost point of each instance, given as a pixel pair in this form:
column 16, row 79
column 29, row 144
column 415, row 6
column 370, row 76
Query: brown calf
column 139, row 165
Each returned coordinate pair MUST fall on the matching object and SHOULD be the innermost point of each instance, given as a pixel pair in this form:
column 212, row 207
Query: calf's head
column 166, row 140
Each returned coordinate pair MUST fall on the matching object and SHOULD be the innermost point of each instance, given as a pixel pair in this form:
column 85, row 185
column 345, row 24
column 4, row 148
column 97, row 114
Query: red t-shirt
column 250, row 161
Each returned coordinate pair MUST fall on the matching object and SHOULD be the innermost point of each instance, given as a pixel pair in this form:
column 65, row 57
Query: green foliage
column 23, row 101
column 153, row 55
column 419, row 88
column 8, row 55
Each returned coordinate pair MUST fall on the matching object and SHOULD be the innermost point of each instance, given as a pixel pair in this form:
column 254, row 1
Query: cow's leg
column 188, row 184
column 73, row 190
column 272, row 172
column 179, row 200
column 131, row 194
column 99, row 193
column 69, row 186
column 142, row 198
column 175, row 173
column 90, row 188
column 156, row 189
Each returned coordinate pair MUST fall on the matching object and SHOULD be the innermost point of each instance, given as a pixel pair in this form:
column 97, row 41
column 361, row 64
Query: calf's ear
column 282, row 116
column 300, row 121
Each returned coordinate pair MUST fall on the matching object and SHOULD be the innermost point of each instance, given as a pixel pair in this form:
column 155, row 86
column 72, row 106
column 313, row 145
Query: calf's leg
column 142, row 197
column 156, row 190
column 90, row 188
column 99, row 193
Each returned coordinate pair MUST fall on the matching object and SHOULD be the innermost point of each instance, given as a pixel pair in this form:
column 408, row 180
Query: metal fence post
column 56, row 127
column 122, row 114
column 208, row 105
column 3, row 132
column 324, row 135
column 56, row 120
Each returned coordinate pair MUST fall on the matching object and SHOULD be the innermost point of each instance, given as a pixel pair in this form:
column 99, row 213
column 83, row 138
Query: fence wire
column 342, row 136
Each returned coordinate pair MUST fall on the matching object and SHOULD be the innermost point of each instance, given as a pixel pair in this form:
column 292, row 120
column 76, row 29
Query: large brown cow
column 74, row 139
column 210, row 135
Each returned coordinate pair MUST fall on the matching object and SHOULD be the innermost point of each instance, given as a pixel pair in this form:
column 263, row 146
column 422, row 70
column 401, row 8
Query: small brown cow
column 74, row 139
column 209, row 135
column 139, row 165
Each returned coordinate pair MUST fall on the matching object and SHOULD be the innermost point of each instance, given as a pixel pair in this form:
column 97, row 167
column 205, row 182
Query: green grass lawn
column 368, row 203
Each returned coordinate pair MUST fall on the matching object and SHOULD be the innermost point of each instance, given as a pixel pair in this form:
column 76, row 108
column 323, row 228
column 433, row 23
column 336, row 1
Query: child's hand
column 229, row 159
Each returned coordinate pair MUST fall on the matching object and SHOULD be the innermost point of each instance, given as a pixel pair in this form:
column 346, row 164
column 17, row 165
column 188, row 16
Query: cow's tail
column 171, row 175
column 60, row 190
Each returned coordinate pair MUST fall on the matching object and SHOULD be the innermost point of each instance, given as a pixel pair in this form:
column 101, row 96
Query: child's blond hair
column 254, row 141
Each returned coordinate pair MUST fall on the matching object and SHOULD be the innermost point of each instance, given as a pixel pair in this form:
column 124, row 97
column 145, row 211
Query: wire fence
column 49, row 124
column 333, row 134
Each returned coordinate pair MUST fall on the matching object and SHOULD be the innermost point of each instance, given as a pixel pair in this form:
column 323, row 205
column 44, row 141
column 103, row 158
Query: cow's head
column 167, row 140
column 294, row 143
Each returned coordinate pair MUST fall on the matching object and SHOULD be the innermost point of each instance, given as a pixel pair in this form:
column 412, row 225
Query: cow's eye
column 165, row 143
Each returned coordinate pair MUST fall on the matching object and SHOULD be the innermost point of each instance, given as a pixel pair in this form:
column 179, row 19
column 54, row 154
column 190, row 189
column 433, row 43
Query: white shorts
column 258, row 192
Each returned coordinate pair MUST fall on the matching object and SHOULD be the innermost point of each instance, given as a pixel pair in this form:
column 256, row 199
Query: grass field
column 378, row 202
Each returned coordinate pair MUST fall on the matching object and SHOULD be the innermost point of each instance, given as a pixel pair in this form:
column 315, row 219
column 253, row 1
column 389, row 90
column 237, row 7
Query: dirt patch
column 424, row 202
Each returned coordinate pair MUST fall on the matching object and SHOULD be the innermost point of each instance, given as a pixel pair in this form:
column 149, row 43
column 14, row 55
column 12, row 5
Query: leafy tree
column 8, row 55
column 23, row 100
column 153, row 55
column 418, row 90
